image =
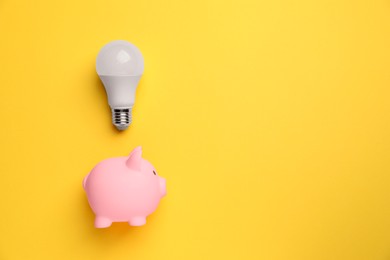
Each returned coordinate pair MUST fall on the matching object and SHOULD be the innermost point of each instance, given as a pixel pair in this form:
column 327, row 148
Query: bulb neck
column 121, row 118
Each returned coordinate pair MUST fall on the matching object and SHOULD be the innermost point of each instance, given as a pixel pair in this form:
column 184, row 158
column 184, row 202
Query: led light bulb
column 120, row 65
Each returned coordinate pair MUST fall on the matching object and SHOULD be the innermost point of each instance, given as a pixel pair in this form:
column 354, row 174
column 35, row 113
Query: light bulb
column 120, row 65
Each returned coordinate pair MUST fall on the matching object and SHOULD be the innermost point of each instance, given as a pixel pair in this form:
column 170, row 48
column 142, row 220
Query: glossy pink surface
column 124, row 189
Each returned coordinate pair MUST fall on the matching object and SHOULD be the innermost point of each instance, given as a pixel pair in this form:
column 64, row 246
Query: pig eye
column 154, row 173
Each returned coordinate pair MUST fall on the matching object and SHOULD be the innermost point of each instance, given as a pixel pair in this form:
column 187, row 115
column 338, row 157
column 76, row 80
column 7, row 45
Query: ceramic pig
column 124, row 189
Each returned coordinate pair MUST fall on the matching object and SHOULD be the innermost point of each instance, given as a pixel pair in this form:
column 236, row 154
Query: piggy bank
column 124, row 189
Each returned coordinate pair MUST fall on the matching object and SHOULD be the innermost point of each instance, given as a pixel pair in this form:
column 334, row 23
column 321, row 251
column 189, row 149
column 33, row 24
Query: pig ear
column 134, row 160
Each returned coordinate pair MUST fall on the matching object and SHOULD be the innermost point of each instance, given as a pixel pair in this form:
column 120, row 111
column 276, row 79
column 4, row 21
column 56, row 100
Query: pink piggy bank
column 124, row 189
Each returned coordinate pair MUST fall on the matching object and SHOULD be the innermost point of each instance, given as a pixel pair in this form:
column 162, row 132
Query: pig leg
column 137, row 221
column 102, row 222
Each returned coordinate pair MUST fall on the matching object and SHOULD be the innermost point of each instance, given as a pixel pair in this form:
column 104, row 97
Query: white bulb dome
column 119, row 58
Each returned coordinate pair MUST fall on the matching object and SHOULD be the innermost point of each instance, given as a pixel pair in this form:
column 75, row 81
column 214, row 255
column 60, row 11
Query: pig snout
column 163, row 187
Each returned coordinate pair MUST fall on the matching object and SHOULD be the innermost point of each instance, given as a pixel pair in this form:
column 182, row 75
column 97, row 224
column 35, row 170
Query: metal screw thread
column 121, row 118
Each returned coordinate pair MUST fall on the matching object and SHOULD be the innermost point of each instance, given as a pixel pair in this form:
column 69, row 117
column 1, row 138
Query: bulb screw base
column 121, row 118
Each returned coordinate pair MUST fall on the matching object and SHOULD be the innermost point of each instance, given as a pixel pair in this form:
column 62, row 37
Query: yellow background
column 269, row 119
